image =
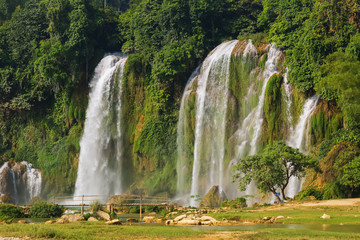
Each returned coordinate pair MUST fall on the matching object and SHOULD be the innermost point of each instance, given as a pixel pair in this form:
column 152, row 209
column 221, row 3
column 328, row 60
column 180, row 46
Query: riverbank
column 297, row 221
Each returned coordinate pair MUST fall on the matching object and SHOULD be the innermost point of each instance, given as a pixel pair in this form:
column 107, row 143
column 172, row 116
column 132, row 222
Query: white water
column 101, row 153
column 33, row 180
column 183, row 153
column 297, row 140
column 21, row 185
column 211, row 108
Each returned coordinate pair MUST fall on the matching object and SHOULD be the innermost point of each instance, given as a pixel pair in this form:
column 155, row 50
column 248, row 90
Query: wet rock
column 113, row 222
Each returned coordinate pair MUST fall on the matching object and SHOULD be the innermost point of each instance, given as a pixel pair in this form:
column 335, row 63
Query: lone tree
column 272, row 168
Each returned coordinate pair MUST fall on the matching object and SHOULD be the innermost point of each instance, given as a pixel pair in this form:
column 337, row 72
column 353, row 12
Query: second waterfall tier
column 238, row 101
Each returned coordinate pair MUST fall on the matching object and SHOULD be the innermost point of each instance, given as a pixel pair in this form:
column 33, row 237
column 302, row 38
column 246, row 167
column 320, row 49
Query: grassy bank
column 310, row 226
column 296, row 215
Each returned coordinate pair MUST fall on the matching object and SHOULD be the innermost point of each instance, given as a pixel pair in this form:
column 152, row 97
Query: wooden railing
column 112, row 201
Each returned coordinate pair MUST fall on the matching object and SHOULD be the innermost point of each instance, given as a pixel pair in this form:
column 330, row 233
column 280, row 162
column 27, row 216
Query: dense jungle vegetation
column 49, row 48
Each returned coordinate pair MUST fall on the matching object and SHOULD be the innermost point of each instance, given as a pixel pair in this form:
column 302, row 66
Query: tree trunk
column 283, row 193
column 104, row 3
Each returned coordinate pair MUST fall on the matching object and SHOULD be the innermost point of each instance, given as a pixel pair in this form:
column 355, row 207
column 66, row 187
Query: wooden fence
column 112, row 201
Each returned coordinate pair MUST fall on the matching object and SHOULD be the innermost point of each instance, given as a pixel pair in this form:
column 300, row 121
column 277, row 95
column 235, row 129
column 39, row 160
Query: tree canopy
column 272, row 169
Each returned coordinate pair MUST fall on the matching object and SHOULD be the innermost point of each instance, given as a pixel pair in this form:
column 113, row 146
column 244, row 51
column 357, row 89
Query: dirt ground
column 334, row 202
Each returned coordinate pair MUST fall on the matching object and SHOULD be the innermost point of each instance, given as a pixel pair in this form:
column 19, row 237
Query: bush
column 316, row 192
column 236, row 203
column 10, row 211
column 45, row 210
column 96, row 206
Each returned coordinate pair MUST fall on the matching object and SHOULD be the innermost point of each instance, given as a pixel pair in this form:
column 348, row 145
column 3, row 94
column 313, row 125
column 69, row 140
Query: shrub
column 45, row 210
column 96, row 206
column 236, row 203
column 316, row 192
column 10, row 211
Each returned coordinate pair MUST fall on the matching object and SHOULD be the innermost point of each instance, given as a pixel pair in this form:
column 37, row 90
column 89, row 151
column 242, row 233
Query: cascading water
column 101, row 146
column 297, row 140
column 184, row 154
column 211, row 108
column 21, row 182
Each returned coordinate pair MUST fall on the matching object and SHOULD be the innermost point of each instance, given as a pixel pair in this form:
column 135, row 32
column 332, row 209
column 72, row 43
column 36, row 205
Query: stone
column 189, row 222
column 170, row 222
column 21, row 221
column 208, row 218
column 179, row 218
column 149, row 219
column 160, row 220
column 213, row 198
column 70, row 218
column 113, row 222
column 132, row 220
column 267, row 218
column 325, row 216
column 104, row 215
column 50, row 222
column 207, row 223
column 280, row 217
column 152, row 214
column 92, row 219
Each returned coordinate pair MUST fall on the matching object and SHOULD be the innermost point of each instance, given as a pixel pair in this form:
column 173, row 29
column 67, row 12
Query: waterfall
column 211, row 108
column 183, row 153
column 101, row 146
column 33, row 180
column 296, row 139
column 21, row 182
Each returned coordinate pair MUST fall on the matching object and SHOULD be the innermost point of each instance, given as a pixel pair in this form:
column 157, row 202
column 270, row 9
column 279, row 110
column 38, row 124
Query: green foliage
column 272, row 168
column 11, row 211
column 340, row 82
column 45, row 210
column 272, row 107
column 96, row 206
column 315, row 191
column 235, row 203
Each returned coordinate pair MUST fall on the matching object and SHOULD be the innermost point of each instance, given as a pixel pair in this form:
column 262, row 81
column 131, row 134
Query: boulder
column 50, row 222
column 170, row 222
column 149, row 219
column 113, row 222
column 280, row 217
column 132, row 220
column 179, row 218
column 70, row 218
column 325, row 216
column 104, row 215
column 21, row 221
column 213, row 198
column 92, row 219
column 187, row 221
column 207, row 218
column 160, row 220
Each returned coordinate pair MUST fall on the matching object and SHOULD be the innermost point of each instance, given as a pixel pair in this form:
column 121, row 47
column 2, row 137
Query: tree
column 272, row 168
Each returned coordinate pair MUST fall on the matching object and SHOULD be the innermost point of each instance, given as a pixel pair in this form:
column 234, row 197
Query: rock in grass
column 325, row 216
column 113, row 222
column 280, row 217
column 179, row 218
column 70, row 218
column 149, row 219
column 22, row 221
column 132, row 220
column 104, row 215
column 50, row 222
column 92, row 219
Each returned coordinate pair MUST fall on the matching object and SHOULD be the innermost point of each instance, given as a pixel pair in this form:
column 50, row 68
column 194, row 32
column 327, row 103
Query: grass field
column 305, row 216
